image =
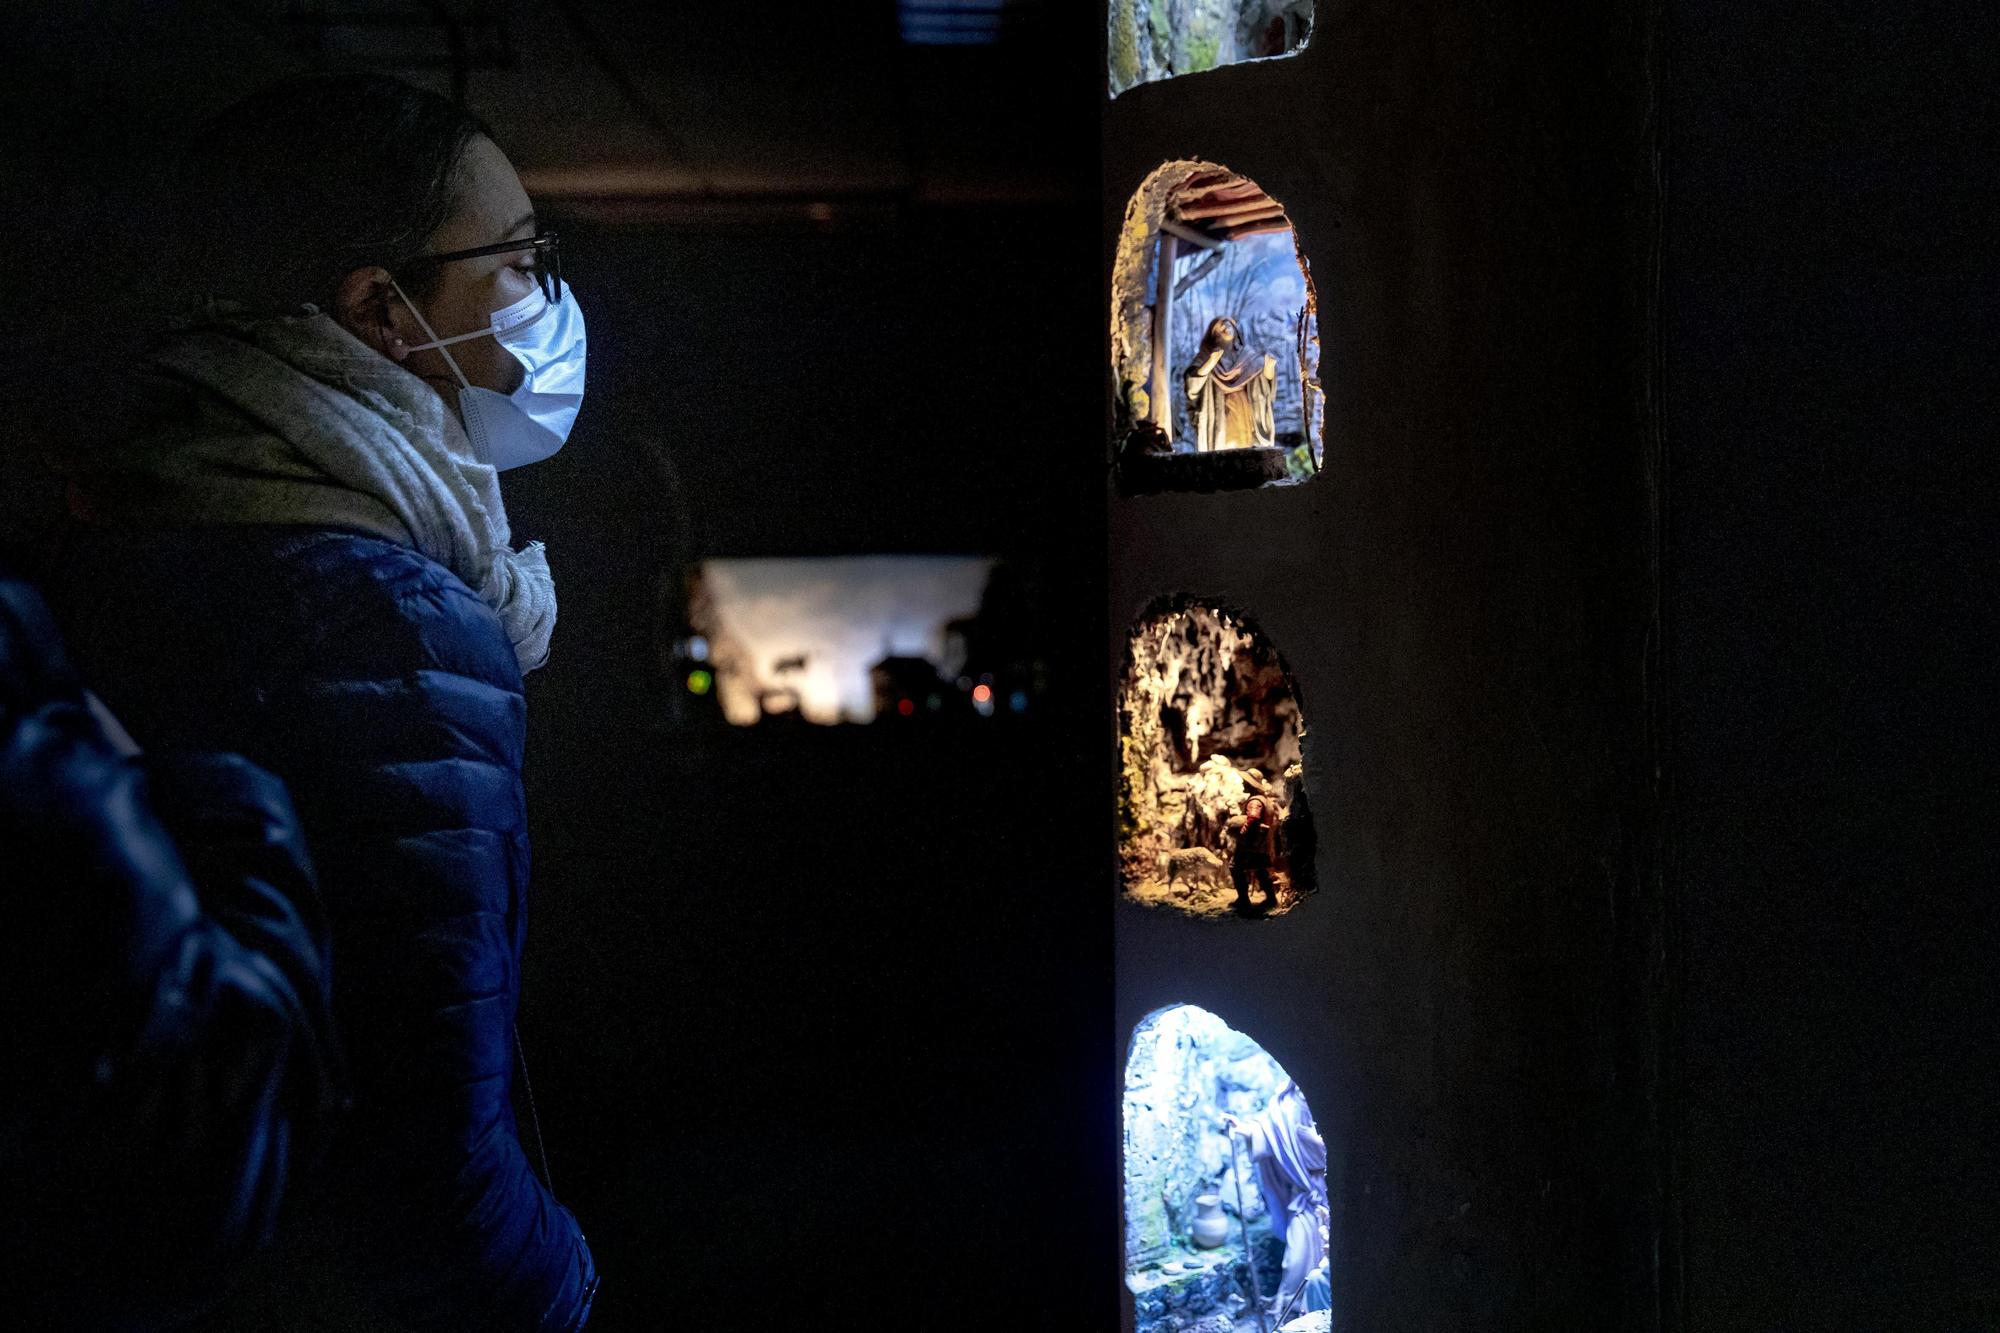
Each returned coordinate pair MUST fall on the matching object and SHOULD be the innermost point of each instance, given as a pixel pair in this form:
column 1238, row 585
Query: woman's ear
column 366, row 305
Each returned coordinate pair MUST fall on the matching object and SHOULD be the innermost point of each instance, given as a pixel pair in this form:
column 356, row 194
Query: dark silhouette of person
column 170, row 1059
column 1255, row 856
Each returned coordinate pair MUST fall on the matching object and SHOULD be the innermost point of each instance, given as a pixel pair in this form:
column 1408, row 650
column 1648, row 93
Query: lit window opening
column 1213, row 814
column 1214, row 336
column 1227, row 1226
column 1152, row 40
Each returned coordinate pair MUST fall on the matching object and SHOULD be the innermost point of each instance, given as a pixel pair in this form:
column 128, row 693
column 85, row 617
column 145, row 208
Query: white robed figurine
column 1291, row 1174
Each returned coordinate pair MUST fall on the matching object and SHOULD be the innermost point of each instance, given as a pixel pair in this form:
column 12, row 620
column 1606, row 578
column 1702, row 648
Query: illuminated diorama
column 1215, row 337
column 1225, row 1183
column 1158, row 39
column 1213, row 816
column 895, row 640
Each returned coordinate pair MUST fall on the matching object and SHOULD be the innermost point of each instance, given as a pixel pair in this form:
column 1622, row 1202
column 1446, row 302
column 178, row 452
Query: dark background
column 818, row 1023
column 820, row 1026
column 819, row 1020
column 1829, row 601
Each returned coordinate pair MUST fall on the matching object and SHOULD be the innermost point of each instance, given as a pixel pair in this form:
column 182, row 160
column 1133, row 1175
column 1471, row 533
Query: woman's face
column 492, row 206
column 1225, row 334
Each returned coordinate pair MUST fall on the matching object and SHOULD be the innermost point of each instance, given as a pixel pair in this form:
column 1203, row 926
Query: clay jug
column 1210, row 1227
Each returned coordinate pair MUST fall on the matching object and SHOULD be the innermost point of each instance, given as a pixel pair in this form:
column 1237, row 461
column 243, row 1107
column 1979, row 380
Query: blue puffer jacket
column 386, row 695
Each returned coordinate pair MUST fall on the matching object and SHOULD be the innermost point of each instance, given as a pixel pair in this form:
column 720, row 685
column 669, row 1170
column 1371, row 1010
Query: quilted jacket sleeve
column 172, row 1061
column 408, row 775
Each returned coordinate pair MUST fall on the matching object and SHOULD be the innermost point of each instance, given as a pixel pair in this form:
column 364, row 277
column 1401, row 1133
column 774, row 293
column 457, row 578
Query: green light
column 699, row 682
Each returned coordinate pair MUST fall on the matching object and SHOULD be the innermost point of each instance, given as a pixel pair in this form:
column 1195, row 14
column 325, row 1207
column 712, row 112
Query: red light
column 982, row 693
column 906, row 706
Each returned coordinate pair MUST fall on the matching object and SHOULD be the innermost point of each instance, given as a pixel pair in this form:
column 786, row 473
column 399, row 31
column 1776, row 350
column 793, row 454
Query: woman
column 303, row 556
column 1230, row 390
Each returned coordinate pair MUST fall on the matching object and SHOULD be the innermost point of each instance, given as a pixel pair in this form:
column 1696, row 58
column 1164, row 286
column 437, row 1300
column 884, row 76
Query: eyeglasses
column 546, row 264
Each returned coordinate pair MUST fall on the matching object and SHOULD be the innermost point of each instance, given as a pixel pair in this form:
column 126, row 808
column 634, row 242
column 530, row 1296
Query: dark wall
column 1525, row 955
column 1465, row 597
column 79, row 181
column 906, row 381
column 818, row 1021
column 1829, row 420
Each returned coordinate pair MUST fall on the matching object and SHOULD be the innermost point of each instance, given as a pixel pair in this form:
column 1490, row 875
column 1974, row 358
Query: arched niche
column 1160, row 39
column 1202, row 244
column 1210, row 738
column 1224, row 1180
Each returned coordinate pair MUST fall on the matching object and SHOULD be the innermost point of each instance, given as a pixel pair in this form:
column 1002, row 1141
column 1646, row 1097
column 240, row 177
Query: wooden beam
column 1240, row 190
column 1205, row 180
column 1208, row 265
column 1262, row 206
column 1193, row 237
column 1194, row 210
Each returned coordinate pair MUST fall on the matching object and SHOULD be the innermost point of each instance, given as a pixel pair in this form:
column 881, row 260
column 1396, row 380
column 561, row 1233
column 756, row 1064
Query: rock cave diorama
column 1225, row 1184
column 1215, row 337
column 888, row 640
column 1213, row 815
column 1158, row 39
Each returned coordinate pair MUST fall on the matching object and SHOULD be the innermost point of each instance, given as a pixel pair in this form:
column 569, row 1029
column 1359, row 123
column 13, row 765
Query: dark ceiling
column 656, row 105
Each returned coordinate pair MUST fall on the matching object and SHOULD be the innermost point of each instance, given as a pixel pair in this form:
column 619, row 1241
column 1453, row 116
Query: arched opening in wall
column 1158, row 39
column 1213, row 816
column 1214, row 337
column 1225, row 1183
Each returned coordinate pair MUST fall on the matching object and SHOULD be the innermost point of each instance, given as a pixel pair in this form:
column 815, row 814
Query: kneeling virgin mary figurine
column 1229, row 390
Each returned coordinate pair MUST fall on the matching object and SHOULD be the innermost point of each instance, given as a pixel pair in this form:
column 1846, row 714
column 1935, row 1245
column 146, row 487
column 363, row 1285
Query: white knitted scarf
column 303, row 423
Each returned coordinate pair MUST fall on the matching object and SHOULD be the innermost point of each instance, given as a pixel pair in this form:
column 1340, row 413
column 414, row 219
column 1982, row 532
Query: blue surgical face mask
column 530, row 424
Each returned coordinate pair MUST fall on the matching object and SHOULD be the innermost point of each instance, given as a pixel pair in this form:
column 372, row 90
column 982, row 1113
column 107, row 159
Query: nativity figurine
column 1230, row 389
column 1290, row 1158
column 1254, row 860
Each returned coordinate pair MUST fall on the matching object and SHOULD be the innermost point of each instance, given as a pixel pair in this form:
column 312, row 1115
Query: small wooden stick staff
column 1307, row 383
column 1243, row 1221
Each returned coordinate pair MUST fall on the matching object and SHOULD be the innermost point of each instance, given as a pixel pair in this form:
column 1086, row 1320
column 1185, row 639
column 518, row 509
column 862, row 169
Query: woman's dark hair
column 299, row 184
